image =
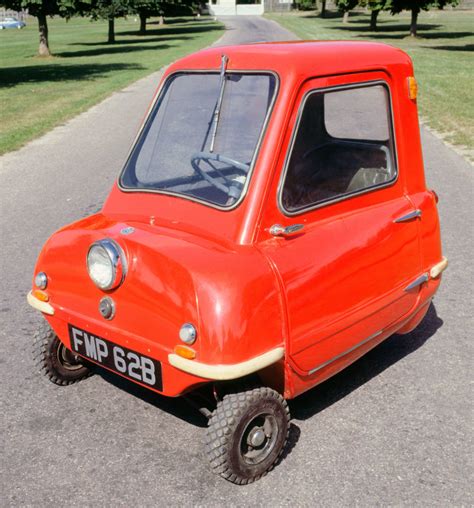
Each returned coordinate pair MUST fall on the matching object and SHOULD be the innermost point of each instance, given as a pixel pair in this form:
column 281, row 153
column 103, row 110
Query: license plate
column 130, row 364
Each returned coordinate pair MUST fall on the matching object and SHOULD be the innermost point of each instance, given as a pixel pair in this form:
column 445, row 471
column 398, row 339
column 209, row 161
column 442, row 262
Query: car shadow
column 176, row 406
column 11, row 76
column 389, row 352
column 315, row 400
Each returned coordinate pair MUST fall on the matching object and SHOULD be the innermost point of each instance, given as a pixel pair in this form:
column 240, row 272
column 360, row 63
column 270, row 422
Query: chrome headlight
column 106, row 264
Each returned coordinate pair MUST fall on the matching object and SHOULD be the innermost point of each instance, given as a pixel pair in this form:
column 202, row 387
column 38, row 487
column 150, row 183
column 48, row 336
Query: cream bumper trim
column 439, row 268
column 44, row 307
column 225, row 372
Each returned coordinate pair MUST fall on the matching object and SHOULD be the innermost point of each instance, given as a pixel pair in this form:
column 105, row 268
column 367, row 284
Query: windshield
column 201, row 138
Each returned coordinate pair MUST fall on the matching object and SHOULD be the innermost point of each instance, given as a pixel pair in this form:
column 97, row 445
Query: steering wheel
column 231, row 187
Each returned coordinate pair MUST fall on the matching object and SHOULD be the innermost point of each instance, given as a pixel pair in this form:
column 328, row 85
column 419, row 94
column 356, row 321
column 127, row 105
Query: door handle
column 409, row 216
column 279, row 230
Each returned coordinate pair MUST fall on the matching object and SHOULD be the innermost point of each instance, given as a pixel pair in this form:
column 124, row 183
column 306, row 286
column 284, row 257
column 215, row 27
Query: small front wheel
column 60, row 365
column 247, row 434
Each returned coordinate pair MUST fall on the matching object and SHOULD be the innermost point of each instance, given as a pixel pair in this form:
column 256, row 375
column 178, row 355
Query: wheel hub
column 256, row 437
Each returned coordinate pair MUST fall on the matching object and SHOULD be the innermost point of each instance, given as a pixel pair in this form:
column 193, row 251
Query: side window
column 343, row 145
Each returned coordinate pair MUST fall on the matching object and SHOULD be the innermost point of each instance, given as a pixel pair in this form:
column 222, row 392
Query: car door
column 342, row 235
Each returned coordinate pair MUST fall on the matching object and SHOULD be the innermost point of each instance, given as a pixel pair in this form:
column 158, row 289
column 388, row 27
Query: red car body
column 292, row 309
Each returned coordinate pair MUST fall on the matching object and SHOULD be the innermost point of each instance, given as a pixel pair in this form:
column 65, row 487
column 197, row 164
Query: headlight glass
column 188, row 333
column 106, row 264
column 41, row 280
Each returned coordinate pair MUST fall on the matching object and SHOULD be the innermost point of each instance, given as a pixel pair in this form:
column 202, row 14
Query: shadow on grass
column 174, row 21
column 141, row 39
column 174, row 30
column 406, row 34
column 12, row 76
column 465, row 47
column 112, row 50
column 333, row 15
column 404, row 29
column 370, row 365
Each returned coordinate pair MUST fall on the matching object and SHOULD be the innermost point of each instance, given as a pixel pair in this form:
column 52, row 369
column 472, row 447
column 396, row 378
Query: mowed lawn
column 37, row 94
column 443, row 55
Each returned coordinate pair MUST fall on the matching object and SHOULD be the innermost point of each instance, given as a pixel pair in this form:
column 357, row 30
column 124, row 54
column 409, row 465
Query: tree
column 323, row 8
column 41, row 9
column 375, row 7
column 345, row 6
column 146, row 9
column 416, row 6
column 109, row 10
column 161, row 8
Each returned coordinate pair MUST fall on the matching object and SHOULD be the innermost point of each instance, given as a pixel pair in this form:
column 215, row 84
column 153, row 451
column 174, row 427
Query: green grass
column 442, row 54
column 37, row 94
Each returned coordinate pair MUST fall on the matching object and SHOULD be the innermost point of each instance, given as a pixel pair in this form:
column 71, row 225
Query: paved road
column 394, row 428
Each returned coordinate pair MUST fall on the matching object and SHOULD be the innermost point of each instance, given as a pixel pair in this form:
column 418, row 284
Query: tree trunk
column 414, row 21
column 43, row 49
column 323, row 8
column 142, row 24
column 345, row 17
column 111, row 38
column 373, row 19
column 161, row 20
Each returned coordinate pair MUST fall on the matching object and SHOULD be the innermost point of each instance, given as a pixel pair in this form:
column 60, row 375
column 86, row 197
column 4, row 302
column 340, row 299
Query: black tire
column 54, row 360
column 235, row 430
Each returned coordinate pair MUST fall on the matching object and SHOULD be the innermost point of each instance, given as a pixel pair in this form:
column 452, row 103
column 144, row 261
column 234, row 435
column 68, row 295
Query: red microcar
column 270, row 226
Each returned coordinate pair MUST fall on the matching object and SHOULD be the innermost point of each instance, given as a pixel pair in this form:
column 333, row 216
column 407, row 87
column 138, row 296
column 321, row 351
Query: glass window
column 200, row 140
column 343, row 145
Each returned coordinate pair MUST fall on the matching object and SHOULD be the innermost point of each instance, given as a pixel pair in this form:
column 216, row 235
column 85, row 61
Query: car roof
column 298, row 57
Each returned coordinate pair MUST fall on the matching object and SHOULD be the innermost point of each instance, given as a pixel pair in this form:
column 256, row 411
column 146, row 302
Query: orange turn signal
column 40, row 295
column 185, row 352
column 412, row 88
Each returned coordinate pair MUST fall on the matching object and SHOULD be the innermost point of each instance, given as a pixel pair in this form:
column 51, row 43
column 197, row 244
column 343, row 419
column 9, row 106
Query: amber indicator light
column 185, row 352
column 412, row 88
column 41, row 295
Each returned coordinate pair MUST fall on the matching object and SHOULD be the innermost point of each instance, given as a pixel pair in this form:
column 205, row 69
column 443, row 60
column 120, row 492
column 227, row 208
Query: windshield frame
column 155, row 104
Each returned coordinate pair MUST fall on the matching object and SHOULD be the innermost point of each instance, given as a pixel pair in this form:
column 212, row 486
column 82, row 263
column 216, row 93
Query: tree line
column 393, row 6
column 96, row 9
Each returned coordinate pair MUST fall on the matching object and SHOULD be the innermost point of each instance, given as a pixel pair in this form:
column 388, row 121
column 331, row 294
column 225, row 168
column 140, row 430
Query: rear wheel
column 246, row 434
column 60, row 365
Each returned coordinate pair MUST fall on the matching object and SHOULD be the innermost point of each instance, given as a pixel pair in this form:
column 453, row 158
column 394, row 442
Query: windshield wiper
column 217, row 109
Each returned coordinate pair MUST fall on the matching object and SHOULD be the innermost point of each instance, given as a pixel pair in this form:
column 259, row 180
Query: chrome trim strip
column 281, row 183
column 418, row 282
column 256, row 154
column 319, row 367
column 409, row 216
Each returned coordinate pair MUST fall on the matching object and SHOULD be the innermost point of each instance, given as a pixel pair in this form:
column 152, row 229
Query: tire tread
column 223, row 422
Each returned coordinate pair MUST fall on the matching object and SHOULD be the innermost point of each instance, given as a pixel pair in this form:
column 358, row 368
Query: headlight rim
column 117, row 259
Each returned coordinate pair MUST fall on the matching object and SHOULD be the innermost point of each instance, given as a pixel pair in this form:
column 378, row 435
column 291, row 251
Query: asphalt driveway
column 393, row 429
